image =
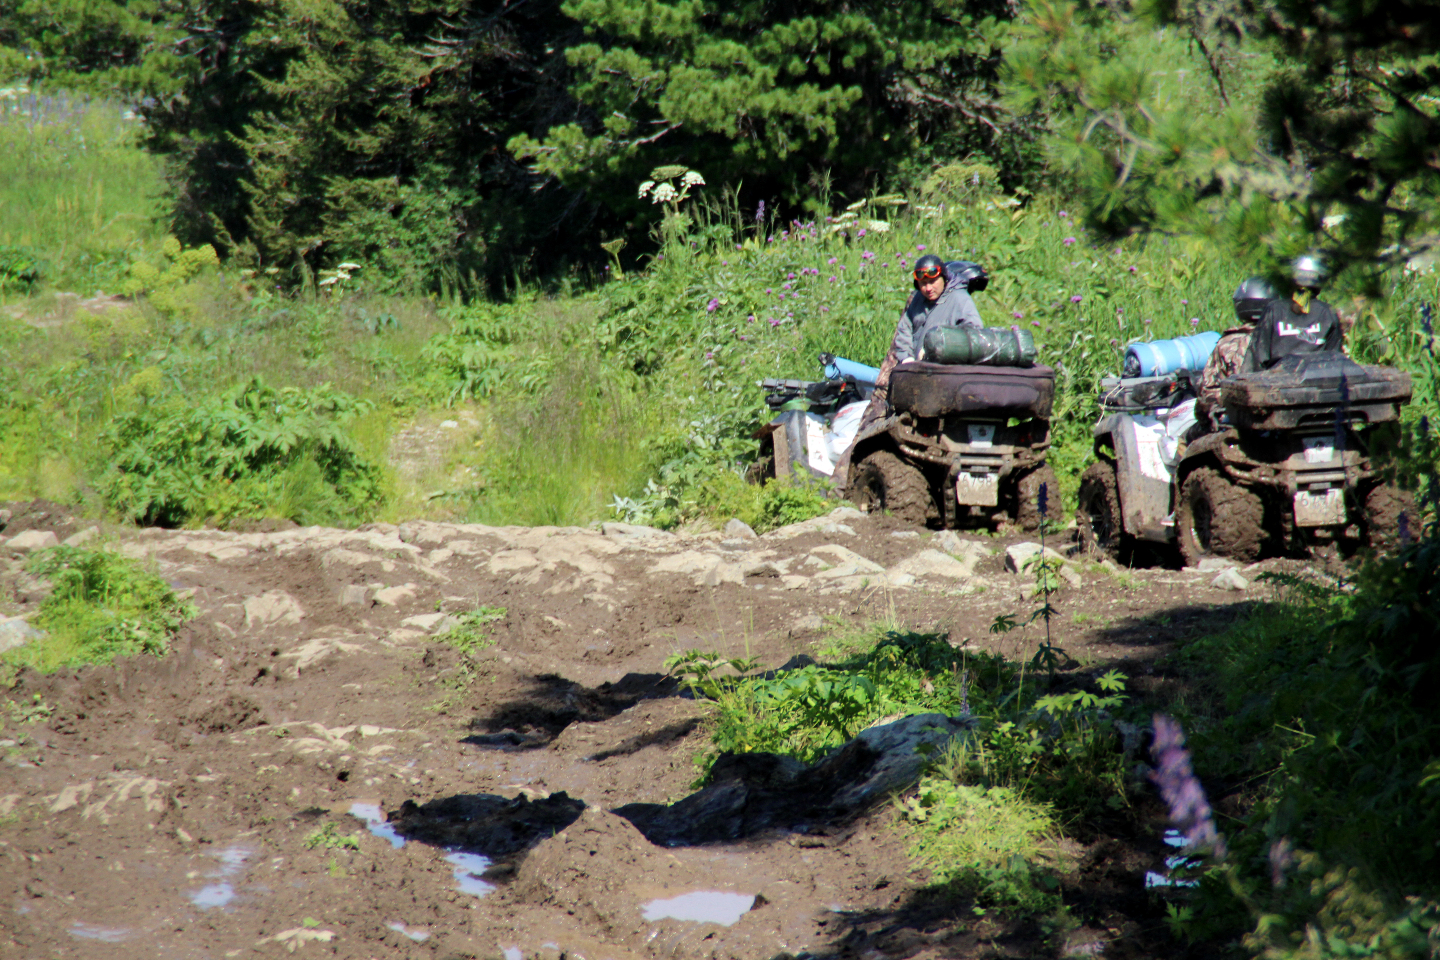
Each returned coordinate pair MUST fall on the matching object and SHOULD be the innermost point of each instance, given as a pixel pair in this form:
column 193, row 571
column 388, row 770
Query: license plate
column 977, row 489
column 1319, row 508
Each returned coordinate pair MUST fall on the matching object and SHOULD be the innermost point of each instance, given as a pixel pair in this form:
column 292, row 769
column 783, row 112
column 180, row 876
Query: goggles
column 928, row 272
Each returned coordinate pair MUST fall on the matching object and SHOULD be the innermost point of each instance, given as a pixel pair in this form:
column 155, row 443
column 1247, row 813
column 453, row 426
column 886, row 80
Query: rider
column 1228, row 357
column 940, row 299
column 1298, row 326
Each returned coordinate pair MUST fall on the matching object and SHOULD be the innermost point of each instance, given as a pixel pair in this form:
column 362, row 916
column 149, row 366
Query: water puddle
column 417, row 934
column 701, row 906
column 232, row 861
column 468, row 868
column 375, row 822
column 1153, row 880
column 93, row 931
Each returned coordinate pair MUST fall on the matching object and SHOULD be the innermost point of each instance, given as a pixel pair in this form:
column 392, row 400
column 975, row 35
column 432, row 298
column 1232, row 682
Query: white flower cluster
column 660, row 189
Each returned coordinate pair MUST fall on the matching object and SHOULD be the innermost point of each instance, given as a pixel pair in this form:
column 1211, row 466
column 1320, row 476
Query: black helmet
column 928, row 267
column 1309, row 270
column 1251, row 297
column 969, row 273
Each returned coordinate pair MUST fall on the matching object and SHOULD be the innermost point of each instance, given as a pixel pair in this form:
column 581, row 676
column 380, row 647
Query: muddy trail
column 309, row 770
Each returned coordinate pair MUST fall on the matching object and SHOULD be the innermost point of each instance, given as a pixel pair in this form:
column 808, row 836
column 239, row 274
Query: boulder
column 1019, row 554
column 16, row 632
column 354, row 595
column 1229, row 579
column 735, row 528
column 33, row 540
column 1215, row 564
column 933, row 563
column 272, row 608
column 634, row 531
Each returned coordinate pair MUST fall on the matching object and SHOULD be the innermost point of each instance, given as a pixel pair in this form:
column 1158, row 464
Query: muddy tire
column 1098, row 521
column 1383, row 506
column 1215, row 518
column 883, row 481
column 1027, row 497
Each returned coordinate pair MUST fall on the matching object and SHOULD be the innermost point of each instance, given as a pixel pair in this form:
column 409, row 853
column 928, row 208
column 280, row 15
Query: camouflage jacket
column 1225, row 361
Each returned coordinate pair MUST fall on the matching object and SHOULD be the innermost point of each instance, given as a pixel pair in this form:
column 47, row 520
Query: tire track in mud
column 164, row 807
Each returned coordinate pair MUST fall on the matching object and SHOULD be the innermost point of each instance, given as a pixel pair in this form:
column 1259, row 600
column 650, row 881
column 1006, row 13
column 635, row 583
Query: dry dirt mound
column 232, row 798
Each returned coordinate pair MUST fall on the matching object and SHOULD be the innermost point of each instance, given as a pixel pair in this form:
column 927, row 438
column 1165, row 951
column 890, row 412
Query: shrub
column 253, row 451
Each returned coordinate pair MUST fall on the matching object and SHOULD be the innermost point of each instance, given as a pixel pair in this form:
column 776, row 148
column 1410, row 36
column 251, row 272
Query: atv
column 1292, row 471
column 815, row 421
column 964, row 444
column 1288, row 470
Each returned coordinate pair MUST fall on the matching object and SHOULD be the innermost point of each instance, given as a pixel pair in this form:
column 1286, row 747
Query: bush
column 253, row 451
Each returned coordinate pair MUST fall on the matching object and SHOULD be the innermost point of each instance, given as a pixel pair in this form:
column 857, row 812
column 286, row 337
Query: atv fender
column 1142, row 479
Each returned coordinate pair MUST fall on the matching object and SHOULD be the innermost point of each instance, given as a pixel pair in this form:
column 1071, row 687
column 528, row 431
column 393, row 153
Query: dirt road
column 163, row 809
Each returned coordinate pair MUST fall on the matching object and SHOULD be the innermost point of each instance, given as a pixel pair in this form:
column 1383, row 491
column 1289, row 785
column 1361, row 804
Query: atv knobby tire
column 1098, row 520
column 883, row 481
column 1383, row 506
column 1216, row 518
column 1027, row 497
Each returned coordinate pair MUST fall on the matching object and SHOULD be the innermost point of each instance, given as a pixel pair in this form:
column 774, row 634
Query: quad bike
column 1293, row 470
column 815, row 420
column 963, row 444
column 1288, row 468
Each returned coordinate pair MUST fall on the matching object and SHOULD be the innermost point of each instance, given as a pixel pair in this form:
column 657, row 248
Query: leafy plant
column 329, row 837
column 472, row 632
column 253, row 451
column 102, row 606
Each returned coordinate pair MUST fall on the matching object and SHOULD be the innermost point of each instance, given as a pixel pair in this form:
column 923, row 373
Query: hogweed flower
column 1181, row 789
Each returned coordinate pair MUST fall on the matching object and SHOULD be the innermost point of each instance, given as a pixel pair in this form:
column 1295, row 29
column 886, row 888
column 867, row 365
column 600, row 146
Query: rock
column 340, row 556
column 950, row 542
column 835, row 554
column 809, row 623
column 722, row 573
column 272, row 608
column 425, row 621
column 5, row 516
column 394, row 596
column 1071, row 576
column 1215, row 564
column 16, row 632
column 1230, row 579
column 424, row 532
column 763, row 569
column 906, row 534
column 845, row 513
column 737, row 528
column 33, row 540
column 933, row 563
column 1111, row 567
column 634, row 531
column 81, row 537
column 687, row 561
column 1019, row 554
column 354, row 595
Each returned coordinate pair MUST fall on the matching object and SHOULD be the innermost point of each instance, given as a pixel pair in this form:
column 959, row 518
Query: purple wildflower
column 1282, row 856
column 786, row 284
column 1042, row 500
column 1194, row 322
column 1404, row 528
column 1034, row 323
column 1064, row 213
column 833, row 279
column 1189, row 809
column 885, row 264
column 1147, row 321
column 1068, row 241
column 1134, row 269
column 1018, row 315
column 712, row 305
column 824, row 309
column 790, row 276
column 709, row 354
column 833, row 260
column 760, row 212
column 769, row 291
column 772, row 321
column 1185, row 303
column 1076, row 299
column 861, row 233
column 724, row 263
column 750, row 319
column 920, row 247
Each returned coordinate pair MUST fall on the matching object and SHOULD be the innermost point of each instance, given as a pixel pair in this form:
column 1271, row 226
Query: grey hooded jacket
column 953, row 309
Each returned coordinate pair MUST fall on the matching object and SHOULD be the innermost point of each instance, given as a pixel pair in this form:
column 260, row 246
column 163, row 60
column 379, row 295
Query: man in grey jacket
column 939, row 300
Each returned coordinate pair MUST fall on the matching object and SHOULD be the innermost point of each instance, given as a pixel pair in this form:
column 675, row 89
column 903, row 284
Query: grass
column 472, row 631
column 75, row 188
column 102, row 606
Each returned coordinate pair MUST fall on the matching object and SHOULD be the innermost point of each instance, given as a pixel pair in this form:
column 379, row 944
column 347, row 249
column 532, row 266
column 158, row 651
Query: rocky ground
column 164, row 806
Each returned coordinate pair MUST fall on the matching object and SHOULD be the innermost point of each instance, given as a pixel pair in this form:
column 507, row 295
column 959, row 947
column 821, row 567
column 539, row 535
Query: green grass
column 75, row 187
column 102, row 606
column 472, row 632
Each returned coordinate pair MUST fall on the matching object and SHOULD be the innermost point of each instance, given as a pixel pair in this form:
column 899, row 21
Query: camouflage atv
column 963, row 446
